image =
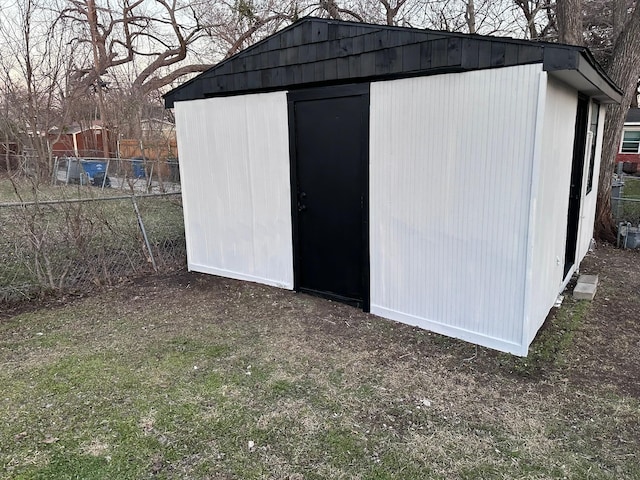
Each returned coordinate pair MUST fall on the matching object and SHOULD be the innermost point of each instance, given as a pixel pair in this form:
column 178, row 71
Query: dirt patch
column 606, row 349
column 52, row 300
column 603, row 352
column 55, row 299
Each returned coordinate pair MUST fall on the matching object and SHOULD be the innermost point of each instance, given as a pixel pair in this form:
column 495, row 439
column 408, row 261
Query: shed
column 438, row 179
column 78, row 140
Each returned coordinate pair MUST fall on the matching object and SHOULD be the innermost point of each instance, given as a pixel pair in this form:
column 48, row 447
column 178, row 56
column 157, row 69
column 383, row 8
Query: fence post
column 144, row 233
column 106, row 171
column 66, row 180
column 54, row 175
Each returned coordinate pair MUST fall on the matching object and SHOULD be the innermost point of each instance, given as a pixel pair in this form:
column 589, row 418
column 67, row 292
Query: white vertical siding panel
column 549, row 228
column 234, row 166
column 450, row 169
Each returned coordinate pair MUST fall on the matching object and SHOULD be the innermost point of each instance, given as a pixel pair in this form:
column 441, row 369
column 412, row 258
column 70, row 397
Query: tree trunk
column 470, row 16
column 97, row 44
column 7, row 157
column 569, row 20
column 331, row 8
column 624, row 70
column 619, row 16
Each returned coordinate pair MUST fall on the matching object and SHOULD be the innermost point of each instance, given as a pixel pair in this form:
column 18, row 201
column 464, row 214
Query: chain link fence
column 141, row 175
column 625, row 208
column 625, row 199
column 71, row 244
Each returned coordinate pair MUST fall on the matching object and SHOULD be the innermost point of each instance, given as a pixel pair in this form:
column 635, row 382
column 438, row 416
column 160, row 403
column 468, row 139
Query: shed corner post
column 533, row 195
column 182, row 139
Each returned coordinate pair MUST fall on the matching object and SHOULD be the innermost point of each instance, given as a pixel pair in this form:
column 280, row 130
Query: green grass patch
column 631, row 187
column 552, row 340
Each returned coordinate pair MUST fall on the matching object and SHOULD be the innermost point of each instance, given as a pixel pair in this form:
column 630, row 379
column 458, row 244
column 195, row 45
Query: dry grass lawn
column 193, row 376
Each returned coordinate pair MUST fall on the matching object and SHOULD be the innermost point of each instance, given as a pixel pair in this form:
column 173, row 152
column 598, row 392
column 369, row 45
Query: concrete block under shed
column 590, row 279
column 586, row 287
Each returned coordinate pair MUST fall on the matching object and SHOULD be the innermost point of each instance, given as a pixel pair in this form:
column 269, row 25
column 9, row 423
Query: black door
column 329, row 132
column 575, row 190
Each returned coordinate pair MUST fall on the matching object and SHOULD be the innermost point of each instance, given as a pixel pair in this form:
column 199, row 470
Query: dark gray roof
column 314, row 51
column 633, row 116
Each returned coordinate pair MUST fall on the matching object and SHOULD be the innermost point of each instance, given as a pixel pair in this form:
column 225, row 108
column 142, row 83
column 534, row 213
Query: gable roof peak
column 315, row 51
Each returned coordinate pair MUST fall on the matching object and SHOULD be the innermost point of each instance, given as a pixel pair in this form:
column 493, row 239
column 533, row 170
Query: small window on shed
column 630, row 141
column 593, row 130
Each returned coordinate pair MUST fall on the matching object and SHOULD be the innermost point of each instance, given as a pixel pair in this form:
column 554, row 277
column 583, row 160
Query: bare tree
column 569, row 20
column 603, row 21
column 143, row 44
column 34, row 60
column 234, row 25
column 470, row 16
column 613, row 31
column 624, row 69
column 485, row 17
column 537, row 15
column 160, row 31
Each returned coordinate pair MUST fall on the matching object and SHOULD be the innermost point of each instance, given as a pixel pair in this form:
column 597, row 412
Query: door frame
column 577, row 173
column 319, row 93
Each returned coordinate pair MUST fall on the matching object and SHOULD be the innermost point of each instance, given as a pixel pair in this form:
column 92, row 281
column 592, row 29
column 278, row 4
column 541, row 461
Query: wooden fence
column 160, row 153
column 132, row 148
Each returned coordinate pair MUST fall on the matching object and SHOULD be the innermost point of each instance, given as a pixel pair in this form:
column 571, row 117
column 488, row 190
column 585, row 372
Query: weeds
column 74, row 244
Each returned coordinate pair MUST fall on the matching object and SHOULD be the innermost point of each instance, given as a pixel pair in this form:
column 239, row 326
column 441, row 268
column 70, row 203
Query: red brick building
column 629, row 152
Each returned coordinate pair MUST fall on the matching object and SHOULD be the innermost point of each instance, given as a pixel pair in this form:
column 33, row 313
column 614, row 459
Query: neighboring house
column 438, row 179
column 80, row 140
column 629, row 152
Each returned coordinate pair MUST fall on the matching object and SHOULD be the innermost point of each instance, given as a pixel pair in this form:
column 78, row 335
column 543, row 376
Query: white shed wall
column 450, row 174
column 234, row 168
column 550, row 202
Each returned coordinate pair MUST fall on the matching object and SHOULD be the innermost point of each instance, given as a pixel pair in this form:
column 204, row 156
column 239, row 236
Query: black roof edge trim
column 346, row 81
column 558, row 57
column 594, row 73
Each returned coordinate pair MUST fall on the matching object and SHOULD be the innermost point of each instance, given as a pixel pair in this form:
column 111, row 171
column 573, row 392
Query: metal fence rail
column 71, row 244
